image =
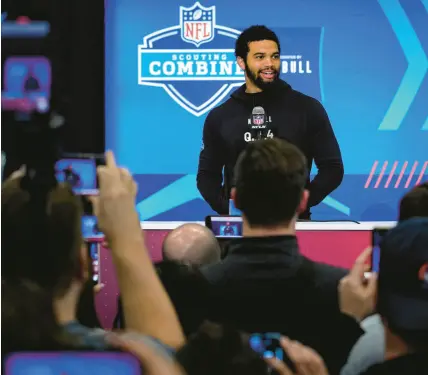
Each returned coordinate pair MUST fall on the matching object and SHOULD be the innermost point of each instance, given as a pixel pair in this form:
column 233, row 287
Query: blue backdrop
column 168, row 64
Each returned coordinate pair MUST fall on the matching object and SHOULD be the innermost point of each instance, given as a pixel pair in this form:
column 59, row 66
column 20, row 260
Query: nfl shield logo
column 197, row 24
column 258, row 120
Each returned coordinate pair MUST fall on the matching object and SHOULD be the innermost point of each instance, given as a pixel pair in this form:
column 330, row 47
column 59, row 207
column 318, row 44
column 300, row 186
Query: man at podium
column 265, row 107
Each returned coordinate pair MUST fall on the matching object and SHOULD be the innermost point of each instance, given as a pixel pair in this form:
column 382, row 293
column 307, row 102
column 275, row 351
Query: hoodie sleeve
column 326, row 153
column 210, row 169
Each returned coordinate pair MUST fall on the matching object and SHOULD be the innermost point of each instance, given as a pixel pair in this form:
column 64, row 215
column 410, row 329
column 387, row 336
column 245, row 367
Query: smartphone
column 26, row 79
column 26, row 67
column 268, row 345
column 72, row 362
column 377, row 235
column 225, row 226
column 90, row 230
column 94, row 256
column 80, row 171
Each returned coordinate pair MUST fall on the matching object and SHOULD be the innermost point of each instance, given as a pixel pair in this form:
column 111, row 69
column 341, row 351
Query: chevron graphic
column 179, row 192
column 417, row 64
column 425, row 125
column 184, row 190
column 338, row 206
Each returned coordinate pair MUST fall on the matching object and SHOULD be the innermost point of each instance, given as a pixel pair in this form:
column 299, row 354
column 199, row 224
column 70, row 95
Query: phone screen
column 90, row 230
column 80, row 172
column 225, row 226
column 26, row 68
column 377, row 235
column 94, row 256
column 268, row 345
column 26, row 80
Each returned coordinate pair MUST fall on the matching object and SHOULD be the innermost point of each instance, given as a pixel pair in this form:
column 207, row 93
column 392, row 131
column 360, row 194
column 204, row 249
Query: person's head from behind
column 402, row 297
column 189, row 292
column 191, row 244
column 217, row 349
column 42, row 240
column 414, row 203
column 270, row 178
column 28, row 321
column 257, row 50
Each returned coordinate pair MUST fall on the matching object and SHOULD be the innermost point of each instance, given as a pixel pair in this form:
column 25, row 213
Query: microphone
column 258, row 122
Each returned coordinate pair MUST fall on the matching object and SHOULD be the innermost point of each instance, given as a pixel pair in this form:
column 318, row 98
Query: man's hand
column 357, row 294
column 19, row 173
column 115, row 205
column 146, row 305
column 306, row 360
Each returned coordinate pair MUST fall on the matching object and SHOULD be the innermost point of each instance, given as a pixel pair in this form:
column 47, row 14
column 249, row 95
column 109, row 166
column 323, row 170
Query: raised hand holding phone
column 115, row 205
column 357, row 293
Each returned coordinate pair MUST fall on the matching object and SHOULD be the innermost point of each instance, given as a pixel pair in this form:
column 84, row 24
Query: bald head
column 191, row 244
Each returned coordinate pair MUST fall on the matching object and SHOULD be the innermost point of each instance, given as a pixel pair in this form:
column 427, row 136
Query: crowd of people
column 205, row 309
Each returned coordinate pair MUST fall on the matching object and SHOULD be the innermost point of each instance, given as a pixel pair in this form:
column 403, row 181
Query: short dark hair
column 41, row 236
column 270, row 177
column 253, row 34
column 414, row 203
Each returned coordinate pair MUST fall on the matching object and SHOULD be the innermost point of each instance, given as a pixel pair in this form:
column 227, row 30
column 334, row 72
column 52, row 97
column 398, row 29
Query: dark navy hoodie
column 297, row 118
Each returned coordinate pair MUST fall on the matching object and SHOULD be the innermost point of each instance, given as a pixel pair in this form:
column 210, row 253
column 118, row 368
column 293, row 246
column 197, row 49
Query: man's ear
column 303, row 202
column 241, row 63
column 233, row 197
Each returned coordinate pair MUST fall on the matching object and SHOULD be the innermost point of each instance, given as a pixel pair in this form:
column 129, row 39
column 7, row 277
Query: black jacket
column 415, row 364
column 296, row 117
column 266, row 285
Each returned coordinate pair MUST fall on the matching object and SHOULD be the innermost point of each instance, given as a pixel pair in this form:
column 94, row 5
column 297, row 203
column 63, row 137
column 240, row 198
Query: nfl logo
column 197, row 24
column 258, row 120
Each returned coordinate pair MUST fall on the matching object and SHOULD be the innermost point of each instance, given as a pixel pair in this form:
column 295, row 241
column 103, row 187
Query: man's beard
column 258, row 80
